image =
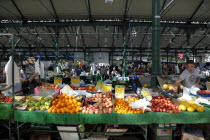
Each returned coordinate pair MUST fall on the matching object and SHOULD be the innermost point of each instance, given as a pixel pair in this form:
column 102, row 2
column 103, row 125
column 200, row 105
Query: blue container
column 134, row 87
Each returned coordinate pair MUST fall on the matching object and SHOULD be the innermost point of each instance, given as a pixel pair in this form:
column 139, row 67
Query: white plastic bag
column 141, row 104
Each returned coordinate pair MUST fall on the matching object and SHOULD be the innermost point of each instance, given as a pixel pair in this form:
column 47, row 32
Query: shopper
column 33, row 82
column 190, row 76
column 77, row 70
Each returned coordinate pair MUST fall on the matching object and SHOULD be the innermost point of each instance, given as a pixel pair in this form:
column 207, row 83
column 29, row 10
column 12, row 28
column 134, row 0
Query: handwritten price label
column 57, row 80
column 75, row 81
column 119, row 92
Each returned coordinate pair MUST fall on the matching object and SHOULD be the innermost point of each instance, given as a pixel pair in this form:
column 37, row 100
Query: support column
column 167, row 54
column 124, row 53
column 140, row 54
column 84, row 54
column 13, row 74
column 156, row 65
column 111, row 58
column 188, row 44
column 57, row 45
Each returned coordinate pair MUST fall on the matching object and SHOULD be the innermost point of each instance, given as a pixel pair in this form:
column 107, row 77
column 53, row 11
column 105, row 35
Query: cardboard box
column 192, row 132
column 187, row 136
column 164, row 138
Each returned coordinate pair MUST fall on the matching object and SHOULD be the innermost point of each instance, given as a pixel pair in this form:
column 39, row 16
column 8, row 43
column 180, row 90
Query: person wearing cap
column 190, row 76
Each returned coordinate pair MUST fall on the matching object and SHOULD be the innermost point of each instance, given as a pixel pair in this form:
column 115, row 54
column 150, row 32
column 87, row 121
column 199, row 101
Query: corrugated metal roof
column 68, row 9
column 100, row 9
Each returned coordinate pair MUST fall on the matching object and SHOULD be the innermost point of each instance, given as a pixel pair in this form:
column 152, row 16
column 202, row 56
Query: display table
column 6, row 111
column 144, row 118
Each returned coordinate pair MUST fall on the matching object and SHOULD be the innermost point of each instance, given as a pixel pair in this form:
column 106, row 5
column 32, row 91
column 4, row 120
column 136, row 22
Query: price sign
column 57, row 80
column 119, row 91
column 75, row 81
column 99, row 85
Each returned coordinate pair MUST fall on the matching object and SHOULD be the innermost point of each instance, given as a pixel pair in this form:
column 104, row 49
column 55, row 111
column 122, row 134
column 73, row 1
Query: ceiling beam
column 102, row 23
column 87, row 3
column 196, row 10
column 51, row 35
column 118, row 48
column 55, row 13
column 67, row 37
column 127, row 7
column 200, row 39
column 140, row 47
column 173, row 38
column 21, row 14
column 83, row 40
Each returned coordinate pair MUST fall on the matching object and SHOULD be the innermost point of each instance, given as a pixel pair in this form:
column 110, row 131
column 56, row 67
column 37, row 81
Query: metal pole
column 13, row 80
column 188, row 44
column 140, row 54
column 124, row 53
column 57, row 45
column 85, row 54
column 167, row 54
column 156, row 65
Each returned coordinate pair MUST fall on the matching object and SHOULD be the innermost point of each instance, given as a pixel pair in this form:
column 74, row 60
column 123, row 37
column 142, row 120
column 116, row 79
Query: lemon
column 181, row 86
column 170, row 87
column 190, row 109
column 186, row 104
column 190, row 102
column 182, row 107
column 200, row 109
column 194, row 106
column 183, row 100
column 145, row 85
column 165, row 87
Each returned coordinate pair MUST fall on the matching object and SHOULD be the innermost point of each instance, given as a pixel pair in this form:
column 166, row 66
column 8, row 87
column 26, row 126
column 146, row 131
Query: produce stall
column 114, row 118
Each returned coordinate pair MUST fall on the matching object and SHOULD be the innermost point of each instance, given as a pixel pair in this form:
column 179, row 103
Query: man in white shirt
column 190, row 76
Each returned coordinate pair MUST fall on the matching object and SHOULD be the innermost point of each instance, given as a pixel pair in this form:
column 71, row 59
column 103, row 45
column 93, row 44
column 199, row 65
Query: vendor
column 190, row 76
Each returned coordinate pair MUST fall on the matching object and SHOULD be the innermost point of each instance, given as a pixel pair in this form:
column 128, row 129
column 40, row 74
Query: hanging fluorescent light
column 109, row 1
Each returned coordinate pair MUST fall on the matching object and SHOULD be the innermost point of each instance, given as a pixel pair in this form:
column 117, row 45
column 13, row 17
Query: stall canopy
column 97, row 26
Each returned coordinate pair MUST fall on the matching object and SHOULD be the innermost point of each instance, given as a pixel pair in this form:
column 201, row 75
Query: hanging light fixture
column 108, row 1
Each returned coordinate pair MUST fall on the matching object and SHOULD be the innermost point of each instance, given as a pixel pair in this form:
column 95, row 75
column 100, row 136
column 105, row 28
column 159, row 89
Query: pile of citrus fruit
column 122, row 107
column 91, row 89
column 190, row 106
column 130, row 99
column 65, row 104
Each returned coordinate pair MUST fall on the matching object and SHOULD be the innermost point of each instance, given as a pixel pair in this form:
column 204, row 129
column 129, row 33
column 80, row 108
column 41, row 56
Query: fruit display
column 41, row 105
column 92, row 89
column 203, row 93
column 122, row 107
column 101, row 97
column 130, row 99
column 163, row 104
column 78, row 88
column 65, row 104
column 171, row 87
column 102, row 104
column 51, row 86
column 6, row 99
column 190, row 106
column 98, row 108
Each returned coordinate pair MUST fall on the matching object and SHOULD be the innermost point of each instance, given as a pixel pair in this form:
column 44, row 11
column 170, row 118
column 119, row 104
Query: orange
column 53, row 111
column 58, row 111
column 49, row 110
column 79, row 103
